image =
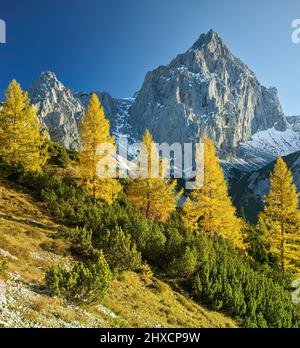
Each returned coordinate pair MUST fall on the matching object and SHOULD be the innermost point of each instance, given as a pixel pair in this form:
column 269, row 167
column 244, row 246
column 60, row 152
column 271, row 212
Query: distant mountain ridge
column 249, row 189
column 206, row 91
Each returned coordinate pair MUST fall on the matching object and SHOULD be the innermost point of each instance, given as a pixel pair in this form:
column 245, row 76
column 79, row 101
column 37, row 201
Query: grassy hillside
column 27, row 249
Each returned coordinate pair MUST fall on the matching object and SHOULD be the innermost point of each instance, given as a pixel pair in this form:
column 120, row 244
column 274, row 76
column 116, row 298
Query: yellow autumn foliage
column 20, row 139
column 209, row 208
column 94, row 131
column 281, row 217
column 151, row 193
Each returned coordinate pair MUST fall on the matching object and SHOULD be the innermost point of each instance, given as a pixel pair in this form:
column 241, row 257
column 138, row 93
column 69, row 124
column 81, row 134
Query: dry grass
column 20, row 204
column 40, row 304
column 147, row 302
column 24, row 241
column 56, row 246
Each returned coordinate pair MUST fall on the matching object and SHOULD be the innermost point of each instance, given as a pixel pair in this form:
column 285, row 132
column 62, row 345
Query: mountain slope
column 248, row 190
column 265, row 146
column 134, row 300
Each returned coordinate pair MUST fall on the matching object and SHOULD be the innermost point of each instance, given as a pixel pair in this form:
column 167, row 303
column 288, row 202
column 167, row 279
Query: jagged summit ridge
column 205, row 39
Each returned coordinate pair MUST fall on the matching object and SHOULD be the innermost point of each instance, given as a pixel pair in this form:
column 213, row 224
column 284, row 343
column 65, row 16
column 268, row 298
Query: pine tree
column 120, row 252
column 94, row 131
column 209, row 208
column 83, row 283
column 20, row 139
column 151, row 193
column 281, row 217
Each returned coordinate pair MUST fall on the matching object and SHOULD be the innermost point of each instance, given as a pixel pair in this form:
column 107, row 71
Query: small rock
column 107, row 311
column 5, row 253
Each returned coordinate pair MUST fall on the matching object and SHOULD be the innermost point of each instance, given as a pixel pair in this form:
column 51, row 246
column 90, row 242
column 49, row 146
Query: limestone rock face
column 106, row 100
column 58, row 110
column 206, row 91
column 61, row 111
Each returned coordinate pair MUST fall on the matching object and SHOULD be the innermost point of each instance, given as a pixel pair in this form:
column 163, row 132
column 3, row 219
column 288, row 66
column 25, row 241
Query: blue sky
column 109, row 45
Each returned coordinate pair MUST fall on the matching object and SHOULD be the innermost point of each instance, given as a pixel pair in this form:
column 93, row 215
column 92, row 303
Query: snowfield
column 265, row 146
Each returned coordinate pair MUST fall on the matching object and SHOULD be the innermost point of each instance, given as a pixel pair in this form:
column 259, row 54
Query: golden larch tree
column 94, row 132
column 209, row 208
column 21, row 141
column 281, row 217
column 151, row 193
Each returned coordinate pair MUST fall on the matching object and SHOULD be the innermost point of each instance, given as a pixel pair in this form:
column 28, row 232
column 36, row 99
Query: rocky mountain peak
column 207, row 91
column 48, row 76
column 58, row 109
column 210, row 39
column 210, row 54
column 46, row 81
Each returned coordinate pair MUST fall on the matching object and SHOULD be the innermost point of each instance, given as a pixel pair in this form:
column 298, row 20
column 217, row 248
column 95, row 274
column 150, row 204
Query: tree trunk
column 282, row 249
column 148, row 201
